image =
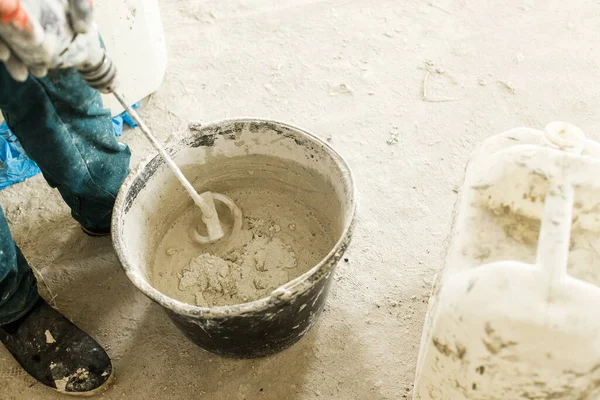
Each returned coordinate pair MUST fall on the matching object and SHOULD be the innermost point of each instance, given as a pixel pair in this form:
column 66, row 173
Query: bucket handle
column 555, row 232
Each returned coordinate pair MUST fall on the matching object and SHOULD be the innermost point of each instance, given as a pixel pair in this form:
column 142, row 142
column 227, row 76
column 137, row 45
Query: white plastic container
column 515, row 313
column 133, row 35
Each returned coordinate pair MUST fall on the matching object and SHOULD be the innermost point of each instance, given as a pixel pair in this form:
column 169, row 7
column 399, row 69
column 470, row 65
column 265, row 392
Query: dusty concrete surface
column 352, row 70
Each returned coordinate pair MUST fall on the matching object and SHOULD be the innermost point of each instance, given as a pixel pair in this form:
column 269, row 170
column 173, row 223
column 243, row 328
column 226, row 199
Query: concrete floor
column 355, row 71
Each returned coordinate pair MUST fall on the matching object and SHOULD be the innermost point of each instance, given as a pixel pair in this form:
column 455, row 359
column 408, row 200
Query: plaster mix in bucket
column 282, row 237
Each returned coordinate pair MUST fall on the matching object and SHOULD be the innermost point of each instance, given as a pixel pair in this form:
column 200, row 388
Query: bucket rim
column 285, row 292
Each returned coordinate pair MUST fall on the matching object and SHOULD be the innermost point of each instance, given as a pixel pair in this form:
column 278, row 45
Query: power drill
column 42, row 35
column 101, row 76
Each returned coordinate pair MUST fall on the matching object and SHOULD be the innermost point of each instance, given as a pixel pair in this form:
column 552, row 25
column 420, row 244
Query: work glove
column 38, row 35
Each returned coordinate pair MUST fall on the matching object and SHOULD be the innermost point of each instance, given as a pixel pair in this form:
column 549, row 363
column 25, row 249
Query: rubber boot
column 57, row 353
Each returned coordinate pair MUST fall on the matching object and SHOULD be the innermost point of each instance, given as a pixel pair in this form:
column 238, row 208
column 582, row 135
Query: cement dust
column 281, row 238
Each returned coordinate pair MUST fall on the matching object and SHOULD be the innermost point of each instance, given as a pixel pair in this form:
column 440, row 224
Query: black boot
column 96, row 232
column 57, row 353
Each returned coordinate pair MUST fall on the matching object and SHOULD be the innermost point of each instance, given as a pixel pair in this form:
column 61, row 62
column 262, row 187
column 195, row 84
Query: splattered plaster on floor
column 352, row 71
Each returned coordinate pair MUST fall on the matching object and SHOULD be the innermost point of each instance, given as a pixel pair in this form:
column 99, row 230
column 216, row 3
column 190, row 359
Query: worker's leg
column 18, row 291
column 64, row 128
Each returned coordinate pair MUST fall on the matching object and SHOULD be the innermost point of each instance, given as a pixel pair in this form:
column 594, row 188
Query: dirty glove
column 38, row 35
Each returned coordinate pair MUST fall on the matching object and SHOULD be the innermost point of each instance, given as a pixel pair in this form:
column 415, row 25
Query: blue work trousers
column 63, row 127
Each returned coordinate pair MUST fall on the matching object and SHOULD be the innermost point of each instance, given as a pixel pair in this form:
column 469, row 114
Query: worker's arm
column 37, row 35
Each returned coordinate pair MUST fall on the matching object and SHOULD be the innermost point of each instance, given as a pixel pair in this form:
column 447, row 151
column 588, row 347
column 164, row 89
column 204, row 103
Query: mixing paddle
column 204, row 201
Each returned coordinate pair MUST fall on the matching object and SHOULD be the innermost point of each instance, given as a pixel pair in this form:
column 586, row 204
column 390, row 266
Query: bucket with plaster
column 263, row 289
column 514, row 312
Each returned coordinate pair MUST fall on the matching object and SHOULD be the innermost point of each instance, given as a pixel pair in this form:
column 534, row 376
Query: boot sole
column 98, row 391
column 94, row 234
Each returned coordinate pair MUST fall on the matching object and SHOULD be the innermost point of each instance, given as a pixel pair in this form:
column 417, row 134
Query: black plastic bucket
column 257, row 328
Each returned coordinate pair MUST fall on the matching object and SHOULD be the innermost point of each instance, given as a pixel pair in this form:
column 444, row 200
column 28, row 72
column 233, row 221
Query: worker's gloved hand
column 38, row 35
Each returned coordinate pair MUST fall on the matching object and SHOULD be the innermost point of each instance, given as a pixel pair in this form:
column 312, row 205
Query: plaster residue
column 247, row 273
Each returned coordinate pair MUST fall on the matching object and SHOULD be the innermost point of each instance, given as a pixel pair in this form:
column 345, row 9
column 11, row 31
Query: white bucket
column 133, row 35
column 514, row 313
